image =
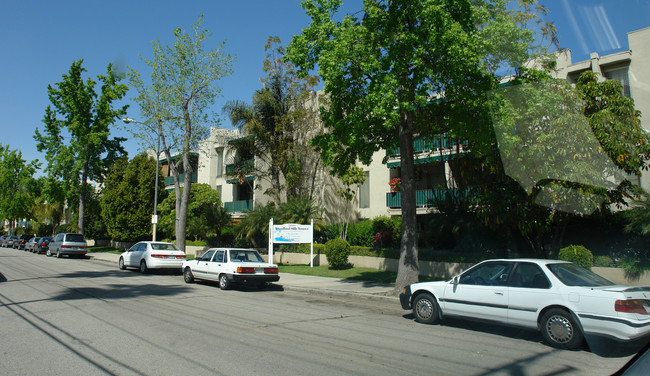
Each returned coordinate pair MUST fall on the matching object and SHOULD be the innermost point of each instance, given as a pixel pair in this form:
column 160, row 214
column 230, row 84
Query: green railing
column 238, row 206
column 441, row 141
column 169, row 180
column 246, row 167
column 427, row 197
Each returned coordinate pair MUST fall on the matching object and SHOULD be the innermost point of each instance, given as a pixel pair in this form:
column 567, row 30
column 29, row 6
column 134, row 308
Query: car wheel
column 224, row 282
column 48, row 253
column 143, row 267
column 426, row 309
column 120, row 264
column 58, row 253
column 560, row 329
column 187, row 275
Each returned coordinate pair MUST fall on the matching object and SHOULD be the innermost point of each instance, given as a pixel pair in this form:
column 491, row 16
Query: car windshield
column 574, row 275
column 163, row 247
column 245, row 256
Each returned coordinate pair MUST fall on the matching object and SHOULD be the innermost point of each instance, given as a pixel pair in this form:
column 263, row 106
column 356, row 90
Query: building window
column 364, row 193
column 219, row 191
column 219, row 162
column 621, row 76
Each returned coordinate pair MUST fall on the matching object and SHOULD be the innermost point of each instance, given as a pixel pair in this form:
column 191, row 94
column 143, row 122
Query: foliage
column 127, row 198
column 361, row 233
column 175, row 104
column 16, row 186
column 206, row 215
column 578, row 255
column 604, row 261
column 301, row 211
column 638, row 217
column 350, row 181
column 278, row 120
column 82, row 117
column 337, row 252
column 382, row 70
column 255, row 226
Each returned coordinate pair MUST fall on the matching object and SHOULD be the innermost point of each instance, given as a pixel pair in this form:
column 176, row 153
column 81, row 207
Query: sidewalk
column 309, row 284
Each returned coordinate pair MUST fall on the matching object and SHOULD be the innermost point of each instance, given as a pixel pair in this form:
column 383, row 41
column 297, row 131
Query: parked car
column 73, row 245
column 42, row 245
column 152, row 255
column 231, row 265
column 2, row 240
column 21, row 241
column 562, row 300
column 9, row 242
column 29, row 246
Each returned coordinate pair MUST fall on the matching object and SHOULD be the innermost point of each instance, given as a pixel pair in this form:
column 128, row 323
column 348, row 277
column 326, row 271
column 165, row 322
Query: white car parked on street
column 152, row 255
column 562, row 300
column 231, row 265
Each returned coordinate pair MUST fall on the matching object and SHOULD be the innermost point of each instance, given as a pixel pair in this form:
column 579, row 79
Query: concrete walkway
column 309, row 284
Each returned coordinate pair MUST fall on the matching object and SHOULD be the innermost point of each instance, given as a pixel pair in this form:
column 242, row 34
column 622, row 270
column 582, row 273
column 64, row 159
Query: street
column 77, row 316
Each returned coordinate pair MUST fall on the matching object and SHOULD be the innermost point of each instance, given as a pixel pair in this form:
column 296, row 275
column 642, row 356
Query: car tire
column 48, row 253
column 143, row 267
column 560, row 330
column 120, row 264
column 224, row 282
column 187, row 275
column 426, row 309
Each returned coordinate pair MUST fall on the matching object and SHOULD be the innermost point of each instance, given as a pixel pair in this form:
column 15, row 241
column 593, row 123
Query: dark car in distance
column 21, row 241
column 42, row 245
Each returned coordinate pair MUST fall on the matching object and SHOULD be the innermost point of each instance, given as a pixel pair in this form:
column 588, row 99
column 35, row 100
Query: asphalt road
column 80, row 317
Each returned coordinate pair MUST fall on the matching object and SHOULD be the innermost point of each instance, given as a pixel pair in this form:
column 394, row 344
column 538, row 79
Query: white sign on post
column 291, row 233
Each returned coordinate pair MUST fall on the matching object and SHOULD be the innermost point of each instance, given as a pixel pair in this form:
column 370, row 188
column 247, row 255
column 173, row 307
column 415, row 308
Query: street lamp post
column 154, row 217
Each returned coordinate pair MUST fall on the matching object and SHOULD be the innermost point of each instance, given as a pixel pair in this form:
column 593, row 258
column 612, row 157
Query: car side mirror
column 456, row 280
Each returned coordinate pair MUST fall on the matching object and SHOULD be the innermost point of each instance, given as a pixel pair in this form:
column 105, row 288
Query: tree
column 404, row 69
column 127, row 198
column 81, row 116
column 207, row 215
column 176, row 104
column 275, row 121
column 16, row 198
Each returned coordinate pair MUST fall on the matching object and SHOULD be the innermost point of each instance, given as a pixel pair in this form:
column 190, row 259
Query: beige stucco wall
column 639, row 74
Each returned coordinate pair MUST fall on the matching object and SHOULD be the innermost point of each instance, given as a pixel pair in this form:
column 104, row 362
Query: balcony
column 426, row 197
column 169, row 180
column 238, row 206
column 246, row 166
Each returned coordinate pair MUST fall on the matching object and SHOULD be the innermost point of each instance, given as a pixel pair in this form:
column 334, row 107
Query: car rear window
column 74, row 238
column 574, row 275
column 163, row 247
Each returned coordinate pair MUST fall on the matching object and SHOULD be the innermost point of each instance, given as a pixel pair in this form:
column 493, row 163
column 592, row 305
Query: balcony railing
column 441, row 141
column 246, row 167
column 426, row 197
column 238, row 206
column 169, row 180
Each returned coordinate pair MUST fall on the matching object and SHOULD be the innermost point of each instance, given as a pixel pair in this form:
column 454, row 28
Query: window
column 364, row 193
column 219, row 162
column 493, row 273
column 529, row 275
column 621, row 76
column 219, row 257
column 207, row 256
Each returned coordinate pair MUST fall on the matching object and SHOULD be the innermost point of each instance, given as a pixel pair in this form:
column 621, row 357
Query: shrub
column 578, row 255
column 361, row 233
column 337, row 252
column 604, row 261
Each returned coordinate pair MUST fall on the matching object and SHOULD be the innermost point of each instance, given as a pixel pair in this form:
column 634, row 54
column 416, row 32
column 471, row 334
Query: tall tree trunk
column 408, row 269
column 82, row 199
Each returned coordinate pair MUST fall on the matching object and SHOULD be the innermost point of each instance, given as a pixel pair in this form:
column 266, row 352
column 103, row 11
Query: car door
column 217, row 265
column 200, row 268
column 529, row 291
column 480, row 292
column 133, row 255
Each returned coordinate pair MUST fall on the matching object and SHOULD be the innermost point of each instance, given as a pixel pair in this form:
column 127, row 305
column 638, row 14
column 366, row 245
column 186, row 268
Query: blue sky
column 40, row 39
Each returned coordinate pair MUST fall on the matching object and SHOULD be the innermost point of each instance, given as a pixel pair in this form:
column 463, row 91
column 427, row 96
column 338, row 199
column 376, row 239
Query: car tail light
column 630, row 306
column 75, row 246
column 180, row 257
column 245, row 270
column 271, row 270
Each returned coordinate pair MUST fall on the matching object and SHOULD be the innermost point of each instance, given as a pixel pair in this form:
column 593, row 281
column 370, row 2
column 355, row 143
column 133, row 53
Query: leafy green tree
column 176, row 102
column 82, row 117
column 383, row 71
column 127, row 198
column 301, row 211
column 277, row 118
column 255, row 226
column 16, row 197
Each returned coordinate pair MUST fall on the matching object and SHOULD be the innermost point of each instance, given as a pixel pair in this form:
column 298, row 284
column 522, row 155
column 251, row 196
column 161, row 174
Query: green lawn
column 360, row 274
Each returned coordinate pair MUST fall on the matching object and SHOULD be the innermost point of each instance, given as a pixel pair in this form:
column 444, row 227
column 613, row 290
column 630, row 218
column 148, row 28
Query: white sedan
column 231, row 265
column 561, row 299
column 152, row 255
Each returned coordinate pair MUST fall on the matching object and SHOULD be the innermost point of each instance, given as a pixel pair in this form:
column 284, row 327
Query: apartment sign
column 292, row 234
